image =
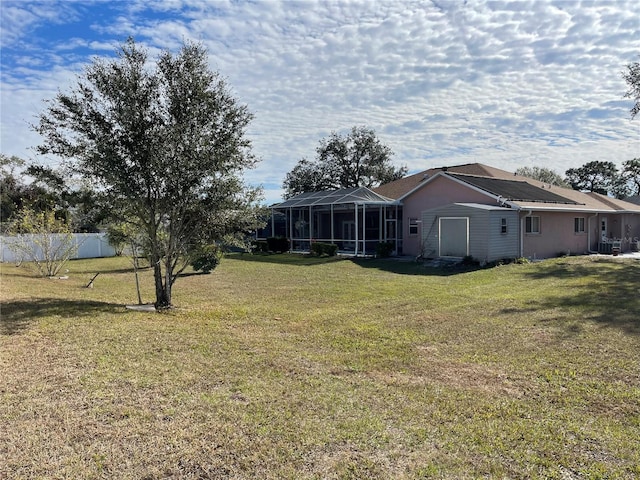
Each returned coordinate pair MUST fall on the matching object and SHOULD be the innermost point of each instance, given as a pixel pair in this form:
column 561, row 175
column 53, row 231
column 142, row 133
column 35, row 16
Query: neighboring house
column 462, row 210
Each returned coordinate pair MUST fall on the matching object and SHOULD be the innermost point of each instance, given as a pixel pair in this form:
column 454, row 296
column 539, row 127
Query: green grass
column 280, row 366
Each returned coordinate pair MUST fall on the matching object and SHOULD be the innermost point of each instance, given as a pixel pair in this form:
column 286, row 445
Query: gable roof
column 519, row 191
column 401, row 187
column 359, row 195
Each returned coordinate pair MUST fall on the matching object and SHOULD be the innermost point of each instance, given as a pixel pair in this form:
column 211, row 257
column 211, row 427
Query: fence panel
column 90, row 245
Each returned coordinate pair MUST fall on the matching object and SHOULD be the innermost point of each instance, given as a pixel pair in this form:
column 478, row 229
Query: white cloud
column 505, row 83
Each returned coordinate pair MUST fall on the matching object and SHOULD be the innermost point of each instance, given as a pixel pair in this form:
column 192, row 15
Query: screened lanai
column 355, row 219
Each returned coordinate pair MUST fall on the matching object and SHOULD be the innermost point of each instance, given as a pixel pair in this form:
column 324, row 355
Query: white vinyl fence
column 90, row 245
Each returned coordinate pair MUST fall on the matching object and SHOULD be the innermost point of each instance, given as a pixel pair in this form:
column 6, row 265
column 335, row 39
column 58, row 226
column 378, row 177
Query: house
column 470, row 209
column 551, row 220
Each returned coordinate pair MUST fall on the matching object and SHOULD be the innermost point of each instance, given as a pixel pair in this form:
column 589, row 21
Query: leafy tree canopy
column 542, row 174
column 632, row 76
column 631, row 174
column 357, row 159
column 45, row 189
column 166, row 143
column 599, row 177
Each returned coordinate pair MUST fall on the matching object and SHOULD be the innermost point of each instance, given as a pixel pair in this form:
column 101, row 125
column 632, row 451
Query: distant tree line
column 596, row 176
column 47, row 190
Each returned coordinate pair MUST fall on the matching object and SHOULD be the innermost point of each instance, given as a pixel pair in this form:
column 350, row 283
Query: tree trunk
column 163, row 297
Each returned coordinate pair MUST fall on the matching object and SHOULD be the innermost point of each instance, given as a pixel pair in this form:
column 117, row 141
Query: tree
column 12, row 190
column 632, row 77
column 358, row 159
column 542, row 174
column 631, row 174
column 597, row 176
column 167, row 145
column 42, row 189
column 42, row 239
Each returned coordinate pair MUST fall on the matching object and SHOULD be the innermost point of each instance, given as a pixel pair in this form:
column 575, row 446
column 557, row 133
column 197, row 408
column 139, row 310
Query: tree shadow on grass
column 16, row 316
column 391, row 264
column 405, row 267
column 606, row 292
column 293, row 259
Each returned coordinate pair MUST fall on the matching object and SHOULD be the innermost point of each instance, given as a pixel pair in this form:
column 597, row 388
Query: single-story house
column 470, row 209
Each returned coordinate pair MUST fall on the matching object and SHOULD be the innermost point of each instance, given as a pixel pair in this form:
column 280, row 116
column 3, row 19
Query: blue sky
column 508, row 84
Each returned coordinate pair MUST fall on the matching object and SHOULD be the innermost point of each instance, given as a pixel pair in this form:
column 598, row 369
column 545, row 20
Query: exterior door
column 604, row 229
column 391, row 234
column 454, row 236
column 349, row 235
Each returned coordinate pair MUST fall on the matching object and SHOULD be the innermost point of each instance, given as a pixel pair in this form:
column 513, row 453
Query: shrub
column 260, row 246
column 320, row 249
column 278, row 244
column 42, row 239
column 384, row 249
column 207, row 258
column 469, row 260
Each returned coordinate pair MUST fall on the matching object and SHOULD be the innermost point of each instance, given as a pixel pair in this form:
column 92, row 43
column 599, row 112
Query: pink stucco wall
column 440, row 191
column 557, row 235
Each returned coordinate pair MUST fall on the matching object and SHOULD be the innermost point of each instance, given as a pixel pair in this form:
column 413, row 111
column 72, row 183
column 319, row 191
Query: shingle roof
column 402, row 186
column 572, row 199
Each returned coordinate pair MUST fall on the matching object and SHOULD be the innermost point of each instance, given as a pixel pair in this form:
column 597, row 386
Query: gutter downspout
column 589, row 250
column 522, row 228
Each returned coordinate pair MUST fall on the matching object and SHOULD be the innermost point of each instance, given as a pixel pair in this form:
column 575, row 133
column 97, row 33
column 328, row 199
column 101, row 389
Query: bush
column 384, row 249
column 320, row 249
column 42, row 239
column 470, row 261
column 207, row 258
column 278, row 244
column 260, row 246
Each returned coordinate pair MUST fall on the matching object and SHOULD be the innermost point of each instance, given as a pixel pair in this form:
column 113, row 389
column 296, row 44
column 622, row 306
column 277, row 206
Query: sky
column 444, row 82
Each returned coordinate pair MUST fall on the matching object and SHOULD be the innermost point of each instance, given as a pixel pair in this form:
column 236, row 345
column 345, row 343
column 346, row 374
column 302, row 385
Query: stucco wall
column 557, row 235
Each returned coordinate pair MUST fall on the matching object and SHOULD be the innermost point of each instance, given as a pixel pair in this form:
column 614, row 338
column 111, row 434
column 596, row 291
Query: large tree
column 357, row 159
column 166, row 143
column 542, row 174
column 632, row 76
column 631, row 174
column 597, row 176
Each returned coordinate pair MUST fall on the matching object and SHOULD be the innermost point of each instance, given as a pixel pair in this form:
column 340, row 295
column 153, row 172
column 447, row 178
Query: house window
column 532, row 224
column 503, row 226
column 578, row 225
column 413, row 226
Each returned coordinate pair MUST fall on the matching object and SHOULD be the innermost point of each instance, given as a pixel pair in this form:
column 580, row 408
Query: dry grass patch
column 293, row 367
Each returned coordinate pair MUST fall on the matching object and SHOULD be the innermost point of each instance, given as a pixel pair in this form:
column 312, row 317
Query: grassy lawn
column 290, row 367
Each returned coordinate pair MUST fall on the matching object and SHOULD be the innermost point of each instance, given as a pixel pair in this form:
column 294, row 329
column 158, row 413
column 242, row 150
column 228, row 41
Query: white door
column 603, row 229
column 454, row 236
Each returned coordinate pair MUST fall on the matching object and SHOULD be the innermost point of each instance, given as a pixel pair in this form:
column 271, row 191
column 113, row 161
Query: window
column 578, row 225
column 532, row 224
column 503, row 226
column 413, row 226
